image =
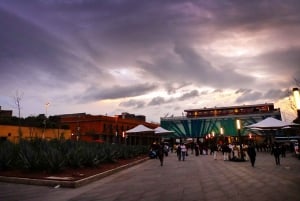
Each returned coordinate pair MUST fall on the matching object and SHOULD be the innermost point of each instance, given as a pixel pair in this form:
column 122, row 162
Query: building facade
column 5, row 113
column 101, row 128
column 198, row 123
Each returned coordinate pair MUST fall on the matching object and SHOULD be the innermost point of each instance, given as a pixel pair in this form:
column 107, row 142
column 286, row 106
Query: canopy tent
column 139, row 129
column 161, row 131
column 270, row 127
column 141, row 135
column 269, row 124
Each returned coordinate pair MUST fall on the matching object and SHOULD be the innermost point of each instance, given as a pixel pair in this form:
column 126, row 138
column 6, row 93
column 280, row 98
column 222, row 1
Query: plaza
column 197, row 178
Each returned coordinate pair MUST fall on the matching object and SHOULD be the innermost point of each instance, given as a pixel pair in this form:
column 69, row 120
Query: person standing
column 230, row 155
column 276, row 152
column 178, row 151
column 192, row 147
column 183, row 151
column 225, row 150
column 214, row 150
column 252, row 154
column 235, row 150
column 196, row 149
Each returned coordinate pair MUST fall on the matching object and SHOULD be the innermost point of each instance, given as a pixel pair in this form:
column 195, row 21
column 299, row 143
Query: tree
column 17, row 100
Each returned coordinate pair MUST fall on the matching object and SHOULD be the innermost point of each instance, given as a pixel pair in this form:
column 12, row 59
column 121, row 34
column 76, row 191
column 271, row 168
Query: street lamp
column 238, row 125
column 221, row 136
column 297, row 102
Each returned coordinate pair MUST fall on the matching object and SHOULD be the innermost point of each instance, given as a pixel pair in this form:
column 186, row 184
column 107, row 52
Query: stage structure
column 198, row 123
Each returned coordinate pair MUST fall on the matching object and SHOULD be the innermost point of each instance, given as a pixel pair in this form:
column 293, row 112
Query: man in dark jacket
column 252, row 154
column 276, row 152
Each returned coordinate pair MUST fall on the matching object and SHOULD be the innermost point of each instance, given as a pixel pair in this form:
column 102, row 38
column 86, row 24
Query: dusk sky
column 152, row 58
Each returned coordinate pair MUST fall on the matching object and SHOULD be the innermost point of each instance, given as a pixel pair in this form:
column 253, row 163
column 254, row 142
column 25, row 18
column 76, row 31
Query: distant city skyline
column 152, row 58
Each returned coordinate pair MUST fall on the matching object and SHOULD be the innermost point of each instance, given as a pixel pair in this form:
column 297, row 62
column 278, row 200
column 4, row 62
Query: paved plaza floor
column 195, row 179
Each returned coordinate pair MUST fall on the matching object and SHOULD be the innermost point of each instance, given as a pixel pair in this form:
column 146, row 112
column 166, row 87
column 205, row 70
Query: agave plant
column 75, row 157
column 7, row 155
column 54, row 159
column 91, row 158
column 55, row 155
column 28, row 157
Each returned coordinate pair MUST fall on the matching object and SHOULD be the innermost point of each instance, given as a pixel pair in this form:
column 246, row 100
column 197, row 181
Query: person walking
column 252, row 154
column 161, row 153
column 276, row 152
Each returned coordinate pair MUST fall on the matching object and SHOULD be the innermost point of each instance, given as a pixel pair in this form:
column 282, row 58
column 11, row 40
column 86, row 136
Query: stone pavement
column 198, row 178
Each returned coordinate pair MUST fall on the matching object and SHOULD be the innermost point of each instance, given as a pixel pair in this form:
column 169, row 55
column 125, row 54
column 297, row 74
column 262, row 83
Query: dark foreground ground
column 197, row 178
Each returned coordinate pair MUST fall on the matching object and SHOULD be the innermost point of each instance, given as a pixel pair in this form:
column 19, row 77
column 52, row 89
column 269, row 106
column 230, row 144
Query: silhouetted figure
column 197, row 149
column 252, row 154
column 161, row 154
column 192, row 147
column 276, row 152
column 214, row 150
column 178, row 151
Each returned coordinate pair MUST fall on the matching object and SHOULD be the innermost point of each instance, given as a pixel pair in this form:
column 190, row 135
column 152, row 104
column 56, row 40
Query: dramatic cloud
column 132, row 103
column 115, row 92
column 147, row 57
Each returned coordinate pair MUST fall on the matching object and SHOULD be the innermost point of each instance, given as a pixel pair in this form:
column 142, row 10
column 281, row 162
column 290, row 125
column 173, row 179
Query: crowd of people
column 228, row 151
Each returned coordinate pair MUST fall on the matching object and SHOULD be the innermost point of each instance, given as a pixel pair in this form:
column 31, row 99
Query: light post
column 297, row 103
column 238, row 125
column 124, row 136
column 221, row 137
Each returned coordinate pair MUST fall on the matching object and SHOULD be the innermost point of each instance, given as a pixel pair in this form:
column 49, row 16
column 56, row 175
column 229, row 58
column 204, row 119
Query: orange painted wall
column 11, row 133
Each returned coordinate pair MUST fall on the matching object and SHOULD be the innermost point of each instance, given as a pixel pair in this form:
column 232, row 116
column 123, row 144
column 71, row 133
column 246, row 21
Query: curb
column 69, row 184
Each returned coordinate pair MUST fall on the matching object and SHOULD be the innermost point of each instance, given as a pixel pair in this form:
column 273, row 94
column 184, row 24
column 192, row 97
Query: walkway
column 198, row 178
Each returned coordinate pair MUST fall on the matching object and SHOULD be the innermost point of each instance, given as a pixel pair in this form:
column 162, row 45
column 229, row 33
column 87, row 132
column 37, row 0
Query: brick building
column 101, row 128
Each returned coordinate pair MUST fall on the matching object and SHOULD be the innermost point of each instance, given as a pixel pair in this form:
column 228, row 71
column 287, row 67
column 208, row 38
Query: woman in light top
column 183, row 151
